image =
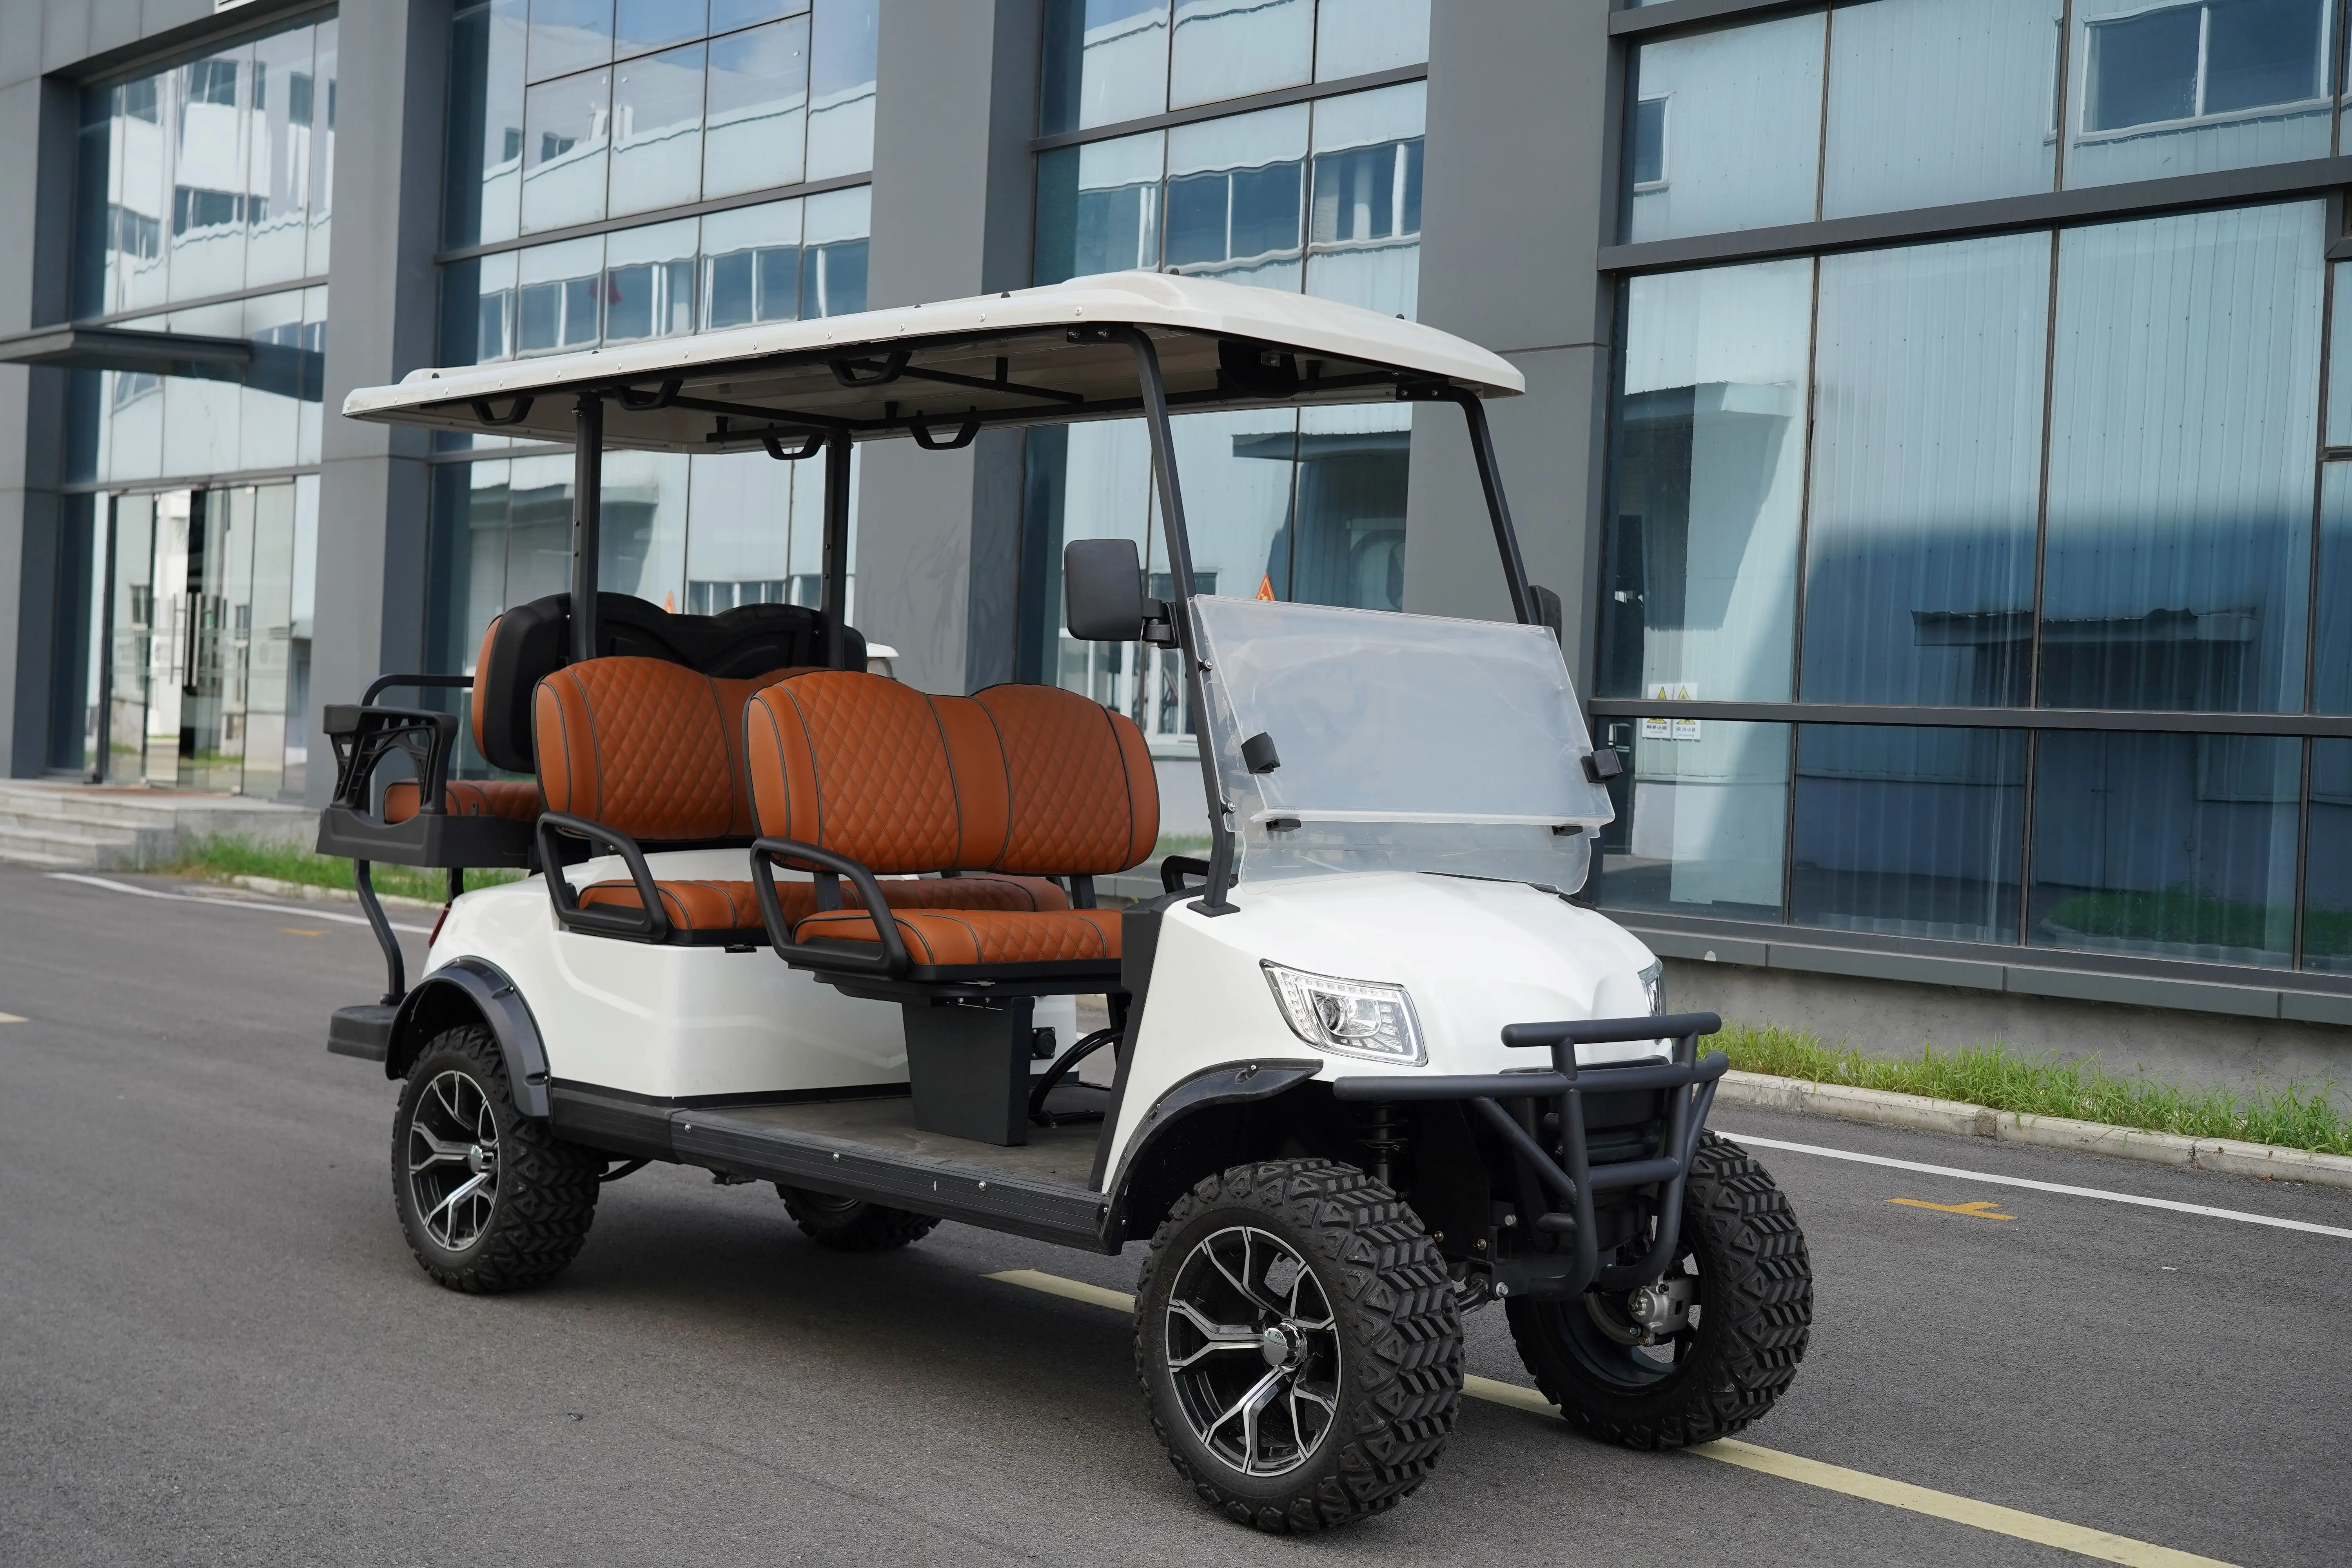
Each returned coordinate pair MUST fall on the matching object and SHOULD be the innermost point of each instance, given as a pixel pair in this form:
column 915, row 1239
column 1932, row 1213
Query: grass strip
column 2295, row 1116
column 221, row 859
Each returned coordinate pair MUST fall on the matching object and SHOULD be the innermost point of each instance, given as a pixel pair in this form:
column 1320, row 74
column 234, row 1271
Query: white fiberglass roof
column 1001, row 359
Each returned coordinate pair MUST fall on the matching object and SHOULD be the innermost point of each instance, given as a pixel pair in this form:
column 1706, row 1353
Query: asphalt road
column 215, row 1348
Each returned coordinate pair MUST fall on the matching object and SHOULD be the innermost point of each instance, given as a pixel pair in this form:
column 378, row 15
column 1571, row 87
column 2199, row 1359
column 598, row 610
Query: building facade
column 1931, row 430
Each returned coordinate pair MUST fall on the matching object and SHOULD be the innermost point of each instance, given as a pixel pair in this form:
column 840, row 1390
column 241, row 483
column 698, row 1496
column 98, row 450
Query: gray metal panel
column 2311, row 1007
column 2143, row 991
column 1923, row 970
column 1695, row 946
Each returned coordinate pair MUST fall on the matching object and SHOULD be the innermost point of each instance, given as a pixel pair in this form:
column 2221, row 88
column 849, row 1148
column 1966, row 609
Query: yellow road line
column 1978, row 1208
column 12, row 1018
column 2097, row 1545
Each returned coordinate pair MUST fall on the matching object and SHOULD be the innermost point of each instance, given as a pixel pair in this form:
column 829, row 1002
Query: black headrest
column 533, row 641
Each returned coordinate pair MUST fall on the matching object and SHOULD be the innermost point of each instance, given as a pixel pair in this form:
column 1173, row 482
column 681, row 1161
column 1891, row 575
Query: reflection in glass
column 2331, row 682
column 1105, row 62
column 1717, row 172
column 2328, row 860
column 2184, row 413
column 1700, row 556
column 1345, row 544
column 2198, row 86
column 1363, row 227
column 286, row 370
column 200, row 417
column 738, row 534
column 211, row 197
column 556, row 295
column 1089, row 481
column 1237, row 473
column 1926, row 472
column 643, row 538
column 642, row 25
column 566, row 125
column 758, row 102
column 1914, row 832
column 1234, row 187
column 657, row 130
column 567, row 36
column 1701, row 816
column 841, row 89
column 1099, row 208
column 2339, row 359
column 322, row 154
column 833, row 252
column 750, row 264
column 310, row 414
column 482, row 184
column 1224, row 48
column 1932, row 101
column 278, row 210
column 1354, row 36
column 2179, row 845
column 649, row 281
column 726, row 16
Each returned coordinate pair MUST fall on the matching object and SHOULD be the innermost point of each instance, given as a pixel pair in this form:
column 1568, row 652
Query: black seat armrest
column 649, row 923
column 364, row 738
column 767, row 854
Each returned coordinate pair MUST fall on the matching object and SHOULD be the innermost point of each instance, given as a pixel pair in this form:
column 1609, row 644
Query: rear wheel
column 1298, row 1343
column 489, row 1199
column 853, row 1225
column 1709, row 1348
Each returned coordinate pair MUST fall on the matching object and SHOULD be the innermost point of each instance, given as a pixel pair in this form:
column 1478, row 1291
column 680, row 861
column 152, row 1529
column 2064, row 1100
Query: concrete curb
column 1882, row 1108
column 306, row 892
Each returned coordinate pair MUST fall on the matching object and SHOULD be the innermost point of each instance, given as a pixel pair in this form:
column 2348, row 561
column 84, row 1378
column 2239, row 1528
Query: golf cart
column 1371, row 1066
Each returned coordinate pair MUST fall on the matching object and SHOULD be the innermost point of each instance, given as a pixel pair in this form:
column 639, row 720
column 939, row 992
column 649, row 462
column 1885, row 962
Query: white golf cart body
column 1432, row 809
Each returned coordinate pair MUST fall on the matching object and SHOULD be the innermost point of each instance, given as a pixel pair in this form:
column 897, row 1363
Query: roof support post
column 1212, row 900
column 587, row 520
column 834, row 598
column 1498, row 508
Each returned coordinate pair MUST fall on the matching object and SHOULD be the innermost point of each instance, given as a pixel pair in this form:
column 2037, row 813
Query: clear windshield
column 1405, row 743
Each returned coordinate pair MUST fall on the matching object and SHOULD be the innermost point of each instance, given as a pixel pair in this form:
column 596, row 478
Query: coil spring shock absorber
column 1383, row 1135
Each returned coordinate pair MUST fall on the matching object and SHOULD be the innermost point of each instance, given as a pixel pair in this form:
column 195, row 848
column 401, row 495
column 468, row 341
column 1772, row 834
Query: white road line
column 305, row 911
column 2101, row 1194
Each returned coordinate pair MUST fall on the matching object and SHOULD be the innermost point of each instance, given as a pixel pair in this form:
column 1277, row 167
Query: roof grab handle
column 866, row 373
column 920, row 430
column 808, row 448
column 516, row 415
column 637, row 402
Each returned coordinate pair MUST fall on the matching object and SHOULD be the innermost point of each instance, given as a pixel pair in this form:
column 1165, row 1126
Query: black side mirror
column 1102, row 590
column 1548, row 610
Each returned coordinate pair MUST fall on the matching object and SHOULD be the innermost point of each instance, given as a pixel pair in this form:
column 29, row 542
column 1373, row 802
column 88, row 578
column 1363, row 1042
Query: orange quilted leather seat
column 706, row 906
column 702, row 907
column 950, row 944
column 517, row 799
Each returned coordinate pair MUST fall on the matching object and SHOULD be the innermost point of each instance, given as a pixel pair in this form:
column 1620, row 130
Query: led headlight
column 1348, row 1017
column 1654, row 985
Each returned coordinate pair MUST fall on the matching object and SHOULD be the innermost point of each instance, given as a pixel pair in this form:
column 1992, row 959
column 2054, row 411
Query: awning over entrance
column 280, row 368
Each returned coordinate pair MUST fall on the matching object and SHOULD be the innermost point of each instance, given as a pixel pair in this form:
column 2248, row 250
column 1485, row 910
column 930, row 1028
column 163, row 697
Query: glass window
column 285, row 95
column 640, row 26
column 642, row 536
column 833, row 252
column 322, row 151
column 2184, row 413
column 2340, row 361
column 649, row 281
column 1709, row 475
column 1346, row 530
column 566, row 127
column 567, row 36
column 1926, row 473
column 201, row 417
column 483, row 183
column 1701, row 816
column 1099, row 208
column 1355, row 37
column 310, row 415
column 726, row 16
column 1105, row 62
column 739, row 531
column 1648, row 142
column 841, row 89
column 2189, row 87
column 1911, row 832
column 286, row 370
column 1234, row 187
column 1933, row 101
column 2331, row 684
column 1744, row 110
column 657, row 130
column 210, row 175
column 2328, row 860
column 2177, row 844
column 1364, row 208
column 1226, row 49
column 556, row 296
column 758, row 108
column 752, row 265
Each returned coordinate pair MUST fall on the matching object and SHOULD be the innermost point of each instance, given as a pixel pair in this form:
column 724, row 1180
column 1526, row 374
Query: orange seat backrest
column 1026, row 778
column 647, row 747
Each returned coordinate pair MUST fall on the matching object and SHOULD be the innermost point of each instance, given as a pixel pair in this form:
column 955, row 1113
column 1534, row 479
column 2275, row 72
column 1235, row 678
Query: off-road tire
column 852, row 1225
column 546, row 1193
column 1400, row 1328
column 1757, row 1300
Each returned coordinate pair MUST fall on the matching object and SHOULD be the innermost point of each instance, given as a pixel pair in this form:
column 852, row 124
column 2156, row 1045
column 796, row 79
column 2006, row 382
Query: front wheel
column 1705, row 1351
column 1298, row 1343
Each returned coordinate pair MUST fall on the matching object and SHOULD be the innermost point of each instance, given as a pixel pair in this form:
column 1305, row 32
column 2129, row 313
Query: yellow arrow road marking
column 12, row 1018
column 1992, row 1517
column 1981, row 1208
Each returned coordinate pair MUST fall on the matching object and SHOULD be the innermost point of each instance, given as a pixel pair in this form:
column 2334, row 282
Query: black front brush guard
column 1566, row 1176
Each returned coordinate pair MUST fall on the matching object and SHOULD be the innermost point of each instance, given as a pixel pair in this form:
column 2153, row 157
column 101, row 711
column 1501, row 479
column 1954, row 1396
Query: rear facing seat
column 652, row 751
column 1023, row 780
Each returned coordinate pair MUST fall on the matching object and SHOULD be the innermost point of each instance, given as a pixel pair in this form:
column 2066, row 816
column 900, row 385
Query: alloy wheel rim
column 1251, row 1345
column 453, row 1160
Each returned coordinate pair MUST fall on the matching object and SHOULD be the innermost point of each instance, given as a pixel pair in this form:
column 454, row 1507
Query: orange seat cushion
column 709, row 905
column 515, row 799
column 960, row 938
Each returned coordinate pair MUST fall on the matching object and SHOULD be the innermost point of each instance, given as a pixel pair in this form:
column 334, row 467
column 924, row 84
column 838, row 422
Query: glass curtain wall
column 1322, row 196
column 2076, row 469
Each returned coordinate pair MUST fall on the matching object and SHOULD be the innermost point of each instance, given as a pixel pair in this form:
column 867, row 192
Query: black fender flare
column 1233, row 1083
column 478, row 987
